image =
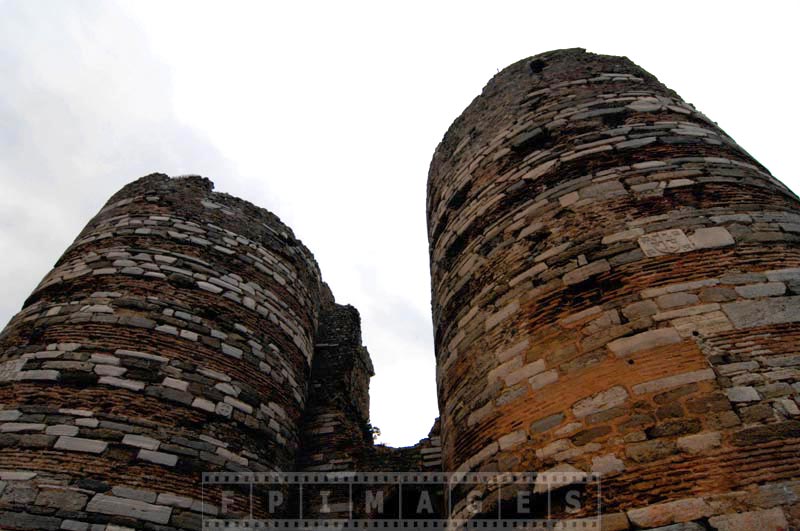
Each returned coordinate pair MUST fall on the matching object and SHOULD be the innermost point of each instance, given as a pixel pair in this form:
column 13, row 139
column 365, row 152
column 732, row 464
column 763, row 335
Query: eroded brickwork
column 616, row 288
column 336, row 433
column 336, row 424
column 173, row 337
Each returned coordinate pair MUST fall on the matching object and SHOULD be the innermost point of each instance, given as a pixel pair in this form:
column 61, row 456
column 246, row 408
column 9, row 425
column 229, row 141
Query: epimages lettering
column 381, row 499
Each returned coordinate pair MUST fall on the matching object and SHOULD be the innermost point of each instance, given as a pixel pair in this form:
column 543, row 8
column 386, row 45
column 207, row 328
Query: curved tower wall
column 173, row 337
column 616, row 289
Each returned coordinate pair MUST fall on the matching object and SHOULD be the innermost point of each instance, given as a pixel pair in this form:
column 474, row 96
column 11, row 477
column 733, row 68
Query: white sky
column 328, row 113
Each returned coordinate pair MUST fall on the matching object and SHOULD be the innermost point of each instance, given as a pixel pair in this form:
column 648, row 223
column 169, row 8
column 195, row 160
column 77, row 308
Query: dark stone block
column 547, row 423
column 93, row 485
column 767, row 433
column 78, row 378
column 675, row 394
column 37, row 441
column 674, row 427
column 585, row 436
column 29, row 521
column 647, row 451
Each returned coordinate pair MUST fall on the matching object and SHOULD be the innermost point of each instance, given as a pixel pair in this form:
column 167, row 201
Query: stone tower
column 184, row 332
column 616, row 288
column 174, row 336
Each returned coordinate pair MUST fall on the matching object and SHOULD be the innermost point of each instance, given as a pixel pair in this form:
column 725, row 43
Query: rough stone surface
column 750, row 521
column 600, row 402
column 78, row 444
column 749, row 314
column 140, row 510
column 671, row 512
column 699, row 442
column 711, row 237
column 643, row 341
column 664, row 260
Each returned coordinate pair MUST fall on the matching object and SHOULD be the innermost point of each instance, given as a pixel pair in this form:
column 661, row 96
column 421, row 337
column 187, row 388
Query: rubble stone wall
column 336, row 430
column 616, row 288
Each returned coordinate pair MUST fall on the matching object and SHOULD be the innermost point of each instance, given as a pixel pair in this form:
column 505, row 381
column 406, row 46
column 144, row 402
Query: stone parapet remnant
column 616, row 289
column 173, row 337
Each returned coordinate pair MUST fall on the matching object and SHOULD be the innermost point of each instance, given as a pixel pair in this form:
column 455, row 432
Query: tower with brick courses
column 183, row 332
column 173, row 337
column 616, row 290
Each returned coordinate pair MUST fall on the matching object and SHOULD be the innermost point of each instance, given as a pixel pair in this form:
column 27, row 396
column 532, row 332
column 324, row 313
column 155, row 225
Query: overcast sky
column 328, row 114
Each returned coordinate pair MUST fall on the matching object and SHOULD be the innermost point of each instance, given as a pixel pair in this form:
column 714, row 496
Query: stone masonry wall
column 173, row 337
column 616, row 288
column 336, row 422
column 336, row 433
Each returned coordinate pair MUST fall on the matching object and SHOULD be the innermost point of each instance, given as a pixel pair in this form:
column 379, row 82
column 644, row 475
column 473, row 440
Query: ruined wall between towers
column 616, row 288
column 173, row 337
column 336, row 432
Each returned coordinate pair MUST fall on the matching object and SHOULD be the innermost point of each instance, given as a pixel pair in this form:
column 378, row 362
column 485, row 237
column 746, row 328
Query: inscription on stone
column 665, row 242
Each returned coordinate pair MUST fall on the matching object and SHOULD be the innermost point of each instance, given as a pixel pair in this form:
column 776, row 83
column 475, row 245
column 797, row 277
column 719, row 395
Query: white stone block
column 78, row 444
column 711, row 237
column 742, row 394
column 601, row 401
column 141, row 441
column 644, row 341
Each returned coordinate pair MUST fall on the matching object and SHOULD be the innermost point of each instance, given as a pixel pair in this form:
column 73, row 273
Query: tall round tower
column 173, row 337
column 616, row 288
